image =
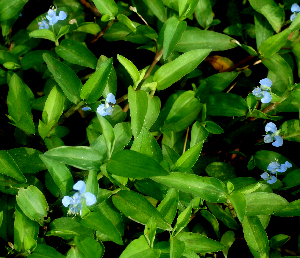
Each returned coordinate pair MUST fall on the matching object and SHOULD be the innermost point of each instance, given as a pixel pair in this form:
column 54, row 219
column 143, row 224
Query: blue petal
column 284, row 167
column 257, row 92
column 66, row 201
column 293, row 16
column 62, row 16
column 273, row 166
column 267, row 97
column 86, row 108
column 111, row 98
column 265, row 176
column 295, row 8
column 272, row 180
column 267, row 82
column 278, row 141
column 80, row 186
column 90, row 198
column 268, row 138
column 51, row 13
column 271, row 127
column 288, row 164
column 101, row 110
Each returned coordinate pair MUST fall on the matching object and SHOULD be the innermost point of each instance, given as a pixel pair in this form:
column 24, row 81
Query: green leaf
column 212, row 220
column 99, row 221
column 292, row 210
column 127, row 22
column 76, row 53
column 81, row 157
column 43, row 34
column 173, row 71
column 18, row 103
column 256, row 237
column 45, row 251
column 136, row 207
column 263, row 29
column 200, row 39
column 33, row 203
column 9, row 167
column 60, row 174
column 123, row 135
column 176, row 247
column 89, row 27
column 67, row 228
column 139, row 248
column 183, row 112
column 186, row 8
column 278, row 240
column 215, row 83
column 138, row 102
column 106, row 7
column 108, row 133
column 199, row 243
column 208, row 188
column 182, row 220
column 168, row 206
column 189, row 158
column 238, row 202
column 291, row 179
column 264, row 203
column 212, row 127
column 25, row 232
column 65, row 77
column 62, row 31
column 89, row 247
column 1, row 217
column 291, row 130
column 172, row 34
column 158, row 9
column 150, row 231
column 269, row 9
column 204, row 13
column 153, row 110
column 145, row 143
column 225, row 104
column 273, row 44
column 9, row 8
column 220, row 170
column 54, row 106
column 132, row 164
column 198, row 134
column 263, row 158
column 130, row 68
column 227, row 240
column 95, row 85
column 222, row 215
column 280, row 68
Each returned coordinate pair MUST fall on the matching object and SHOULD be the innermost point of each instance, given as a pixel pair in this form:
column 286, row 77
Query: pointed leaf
column 208, row 188
column 106, row 7
column 137, row 208
column 132, row 164
column 130, row 68
column 158, row 8
column 171, row 72
column 65, row 77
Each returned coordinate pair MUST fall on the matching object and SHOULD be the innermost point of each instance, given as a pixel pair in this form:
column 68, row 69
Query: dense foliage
column 149, row 128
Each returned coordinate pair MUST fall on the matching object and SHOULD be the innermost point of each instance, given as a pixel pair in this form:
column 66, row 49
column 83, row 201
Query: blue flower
column 43, row 25
column 275, row 167
column 295, row 9
column 266, row 176
column 107, row 108
column 273, row 135
column 53, row 18
column 75, row 202
column 86, row 108
column 263, row 90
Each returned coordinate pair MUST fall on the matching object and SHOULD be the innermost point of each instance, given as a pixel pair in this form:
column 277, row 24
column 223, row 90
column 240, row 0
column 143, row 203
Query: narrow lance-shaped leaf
column 132, row 164
column 76, row 53
column 65, row 77
column 171, row 72
column 130, row 68
column 95, row 85
column 158, row 8
column 9, row 8
column 172, row 34
column 108, row 7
